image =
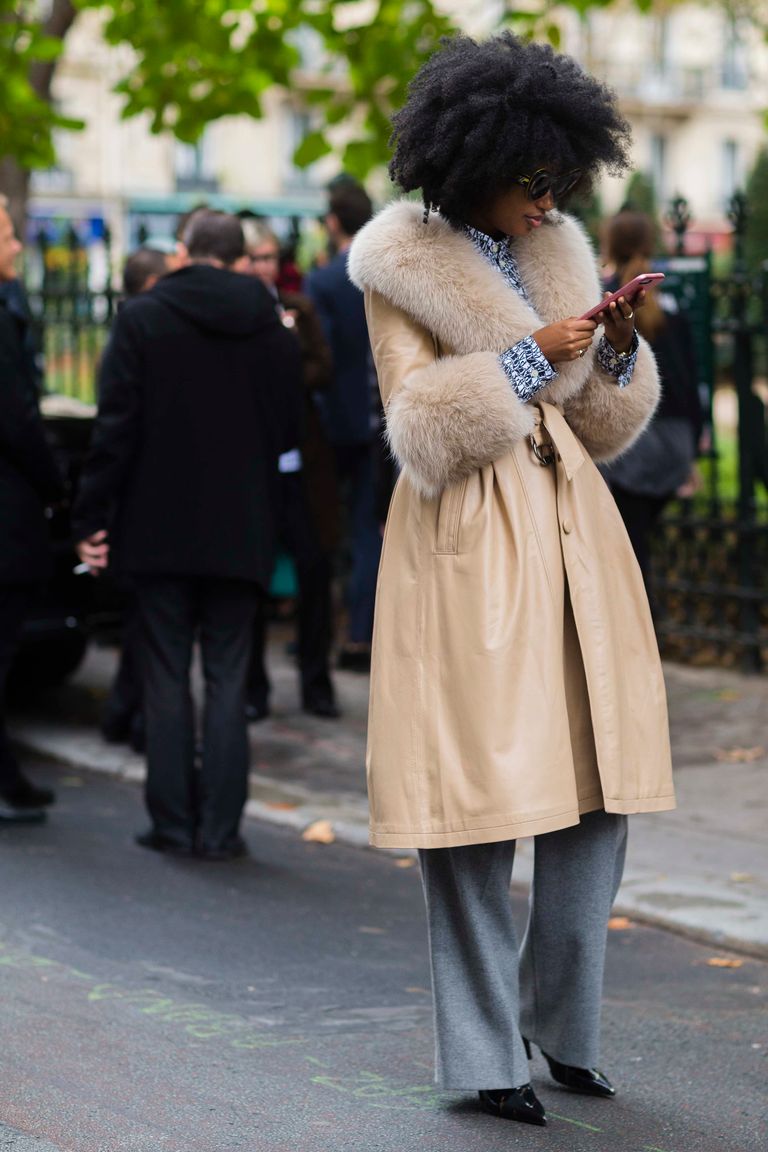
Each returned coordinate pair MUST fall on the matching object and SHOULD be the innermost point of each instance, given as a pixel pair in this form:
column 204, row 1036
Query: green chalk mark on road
column 578, row 1123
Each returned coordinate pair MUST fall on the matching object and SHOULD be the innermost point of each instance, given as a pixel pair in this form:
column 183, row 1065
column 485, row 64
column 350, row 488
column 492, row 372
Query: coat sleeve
column 608, row 419
column 115, row 433
column 446, row 416
column 22, row 434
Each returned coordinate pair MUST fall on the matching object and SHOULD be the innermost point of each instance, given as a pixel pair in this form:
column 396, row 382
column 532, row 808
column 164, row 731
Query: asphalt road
column 281, row 1004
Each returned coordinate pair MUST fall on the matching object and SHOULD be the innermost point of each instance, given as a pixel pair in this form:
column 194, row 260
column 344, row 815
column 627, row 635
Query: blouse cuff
column 618, row 364
column 527, row 368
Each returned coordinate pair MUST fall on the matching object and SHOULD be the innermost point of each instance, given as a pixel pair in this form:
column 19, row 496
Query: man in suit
column 200, row 392
column 29, row 480
column 350, row 412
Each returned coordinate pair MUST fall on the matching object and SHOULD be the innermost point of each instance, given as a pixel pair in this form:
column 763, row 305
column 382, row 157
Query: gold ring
column 630, row 314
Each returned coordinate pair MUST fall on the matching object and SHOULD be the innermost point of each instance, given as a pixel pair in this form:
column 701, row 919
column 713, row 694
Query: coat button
column 567, row 526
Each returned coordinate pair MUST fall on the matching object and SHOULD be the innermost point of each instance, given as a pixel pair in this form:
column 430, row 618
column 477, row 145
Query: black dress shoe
column 355, row 659
column 514, row 1104
column 156, row 842
column 588, row 1081
column 22, row 793
column 11, row 815
column 234, row 849
column 321, row 704
column 256, row 710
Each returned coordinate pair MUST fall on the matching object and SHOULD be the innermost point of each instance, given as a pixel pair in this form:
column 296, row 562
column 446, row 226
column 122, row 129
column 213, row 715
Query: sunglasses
column 542, row 183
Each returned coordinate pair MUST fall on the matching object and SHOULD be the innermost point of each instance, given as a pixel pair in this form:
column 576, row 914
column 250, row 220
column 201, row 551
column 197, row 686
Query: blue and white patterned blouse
column 525, row 365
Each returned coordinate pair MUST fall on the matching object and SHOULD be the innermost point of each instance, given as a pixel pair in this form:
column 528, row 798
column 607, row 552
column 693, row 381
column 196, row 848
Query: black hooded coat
column 200, row 390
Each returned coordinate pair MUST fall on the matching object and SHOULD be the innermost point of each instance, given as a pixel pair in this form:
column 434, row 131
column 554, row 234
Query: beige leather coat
column 515, row 676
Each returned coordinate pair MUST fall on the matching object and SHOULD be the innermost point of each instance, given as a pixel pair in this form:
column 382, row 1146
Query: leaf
column 281, row 805
column 724, row 962
column 313, row 147
column 740, row 755
column 321, row 832
column 741, row 877
column 619, row 924
column 405, row 862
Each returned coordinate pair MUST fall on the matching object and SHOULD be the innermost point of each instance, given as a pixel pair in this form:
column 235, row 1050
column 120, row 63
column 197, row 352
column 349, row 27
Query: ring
column 582, row 352
column 630, row 314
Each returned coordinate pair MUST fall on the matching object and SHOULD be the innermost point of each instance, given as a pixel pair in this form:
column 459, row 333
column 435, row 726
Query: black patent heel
column 588, row 1081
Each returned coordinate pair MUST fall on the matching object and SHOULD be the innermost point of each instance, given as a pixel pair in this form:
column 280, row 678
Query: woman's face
column 265, row 262
column 513, row 214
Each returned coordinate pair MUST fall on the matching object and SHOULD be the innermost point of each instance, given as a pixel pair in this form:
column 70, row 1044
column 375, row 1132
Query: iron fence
column 710, row 554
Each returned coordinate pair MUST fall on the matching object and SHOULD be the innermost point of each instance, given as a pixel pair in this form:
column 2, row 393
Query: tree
column 30, row 45
column 756, row 240
column 640, row 194
column 195, row 62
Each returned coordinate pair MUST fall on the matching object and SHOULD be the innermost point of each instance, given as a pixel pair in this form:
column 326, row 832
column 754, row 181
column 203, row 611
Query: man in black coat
column 200, row 392
column 29, row 479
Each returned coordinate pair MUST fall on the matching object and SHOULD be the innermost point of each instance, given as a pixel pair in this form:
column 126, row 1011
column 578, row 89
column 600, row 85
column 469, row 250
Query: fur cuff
column 453, row 417
column 608, row 419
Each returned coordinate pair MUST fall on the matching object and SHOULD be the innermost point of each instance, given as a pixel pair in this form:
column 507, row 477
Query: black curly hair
column 479, row 114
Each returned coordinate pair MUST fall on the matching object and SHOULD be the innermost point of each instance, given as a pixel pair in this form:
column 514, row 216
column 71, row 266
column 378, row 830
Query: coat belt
column 551, row 428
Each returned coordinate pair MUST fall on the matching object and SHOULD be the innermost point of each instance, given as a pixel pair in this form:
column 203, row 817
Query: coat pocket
column 449, row 518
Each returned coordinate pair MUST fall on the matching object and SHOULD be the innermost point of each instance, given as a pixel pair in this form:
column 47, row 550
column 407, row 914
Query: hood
column 218, row 301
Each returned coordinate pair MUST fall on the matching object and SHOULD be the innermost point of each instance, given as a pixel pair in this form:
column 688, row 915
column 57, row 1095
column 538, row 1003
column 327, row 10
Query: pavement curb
column 296, row 807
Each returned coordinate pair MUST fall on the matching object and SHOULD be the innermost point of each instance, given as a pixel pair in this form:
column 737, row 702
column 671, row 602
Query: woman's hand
column 618, row 320
column 566, row 340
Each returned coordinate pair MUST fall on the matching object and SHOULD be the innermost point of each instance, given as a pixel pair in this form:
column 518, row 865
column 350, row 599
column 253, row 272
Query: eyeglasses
column 542, row 183
column 263, row 257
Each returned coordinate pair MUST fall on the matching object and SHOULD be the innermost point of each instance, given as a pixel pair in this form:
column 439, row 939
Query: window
column 730, row 170
column 193, row 166
column 659, row 166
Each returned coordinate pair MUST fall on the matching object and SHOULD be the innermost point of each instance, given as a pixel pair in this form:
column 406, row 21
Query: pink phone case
column 628, row 290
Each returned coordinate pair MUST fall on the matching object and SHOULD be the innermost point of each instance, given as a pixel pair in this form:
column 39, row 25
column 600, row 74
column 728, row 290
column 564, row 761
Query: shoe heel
column 527, row 1046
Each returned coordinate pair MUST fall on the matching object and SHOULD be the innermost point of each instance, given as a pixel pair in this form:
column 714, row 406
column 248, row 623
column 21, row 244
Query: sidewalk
column 702, row 869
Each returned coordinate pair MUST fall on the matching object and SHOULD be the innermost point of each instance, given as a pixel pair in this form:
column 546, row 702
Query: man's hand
column 94, row 551
column 566, row 340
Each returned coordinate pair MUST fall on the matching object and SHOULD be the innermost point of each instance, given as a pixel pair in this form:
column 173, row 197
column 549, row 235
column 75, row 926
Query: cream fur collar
column 436, row 275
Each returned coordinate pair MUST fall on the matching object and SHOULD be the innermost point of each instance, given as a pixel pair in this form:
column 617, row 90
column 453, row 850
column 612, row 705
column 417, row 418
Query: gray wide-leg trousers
column 485, row 994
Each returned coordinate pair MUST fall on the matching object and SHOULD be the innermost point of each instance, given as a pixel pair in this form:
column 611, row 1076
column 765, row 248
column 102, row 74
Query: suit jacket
column 200, row 391
column 346, row 406
column 29, row 478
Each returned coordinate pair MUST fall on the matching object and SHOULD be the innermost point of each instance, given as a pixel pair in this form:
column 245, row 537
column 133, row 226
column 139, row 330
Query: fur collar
column 436, row 275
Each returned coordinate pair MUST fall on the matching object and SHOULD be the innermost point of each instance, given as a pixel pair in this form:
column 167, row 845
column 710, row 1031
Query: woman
column 661, row 464
column 307, row 520
column 516, row 688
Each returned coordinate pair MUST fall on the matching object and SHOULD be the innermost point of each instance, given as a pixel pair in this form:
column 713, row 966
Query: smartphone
column 632, row 288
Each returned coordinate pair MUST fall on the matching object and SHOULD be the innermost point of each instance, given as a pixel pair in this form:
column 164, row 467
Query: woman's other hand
column 618, row 320
column 566, row 340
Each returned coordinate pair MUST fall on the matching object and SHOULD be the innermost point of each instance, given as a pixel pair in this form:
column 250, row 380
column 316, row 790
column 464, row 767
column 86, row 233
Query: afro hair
column 480, row 114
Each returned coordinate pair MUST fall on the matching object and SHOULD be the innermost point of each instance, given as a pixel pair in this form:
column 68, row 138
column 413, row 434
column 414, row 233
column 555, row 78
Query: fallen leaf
column 619, row 923
column 417, row 991
column 723, row 962
column 405, row 862
column 372, row 931
column 741, row 877
column 281, row 805
column 728, row 694
column 739, row 755
column 321, row 832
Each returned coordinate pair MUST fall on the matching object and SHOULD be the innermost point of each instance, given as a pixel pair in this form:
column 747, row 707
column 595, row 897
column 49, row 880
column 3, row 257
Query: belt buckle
column 544, row 453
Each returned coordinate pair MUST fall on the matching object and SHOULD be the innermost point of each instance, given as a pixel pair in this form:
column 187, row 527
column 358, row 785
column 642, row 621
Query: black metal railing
column 72, row 300
column 710, row 555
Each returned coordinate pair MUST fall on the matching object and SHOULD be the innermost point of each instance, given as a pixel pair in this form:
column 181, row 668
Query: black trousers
column 186, row 806
column 15, row 600
column 297, row 536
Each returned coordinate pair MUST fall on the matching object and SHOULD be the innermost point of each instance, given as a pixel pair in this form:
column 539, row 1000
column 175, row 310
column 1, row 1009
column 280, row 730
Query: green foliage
column 640, row 194
column 756, row 239
column 196, row 62
column 27, row 118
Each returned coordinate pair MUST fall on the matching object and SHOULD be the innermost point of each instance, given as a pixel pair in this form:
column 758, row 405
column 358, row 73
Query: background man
column 200, row 392
column 350, row 411
column 29, row 479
